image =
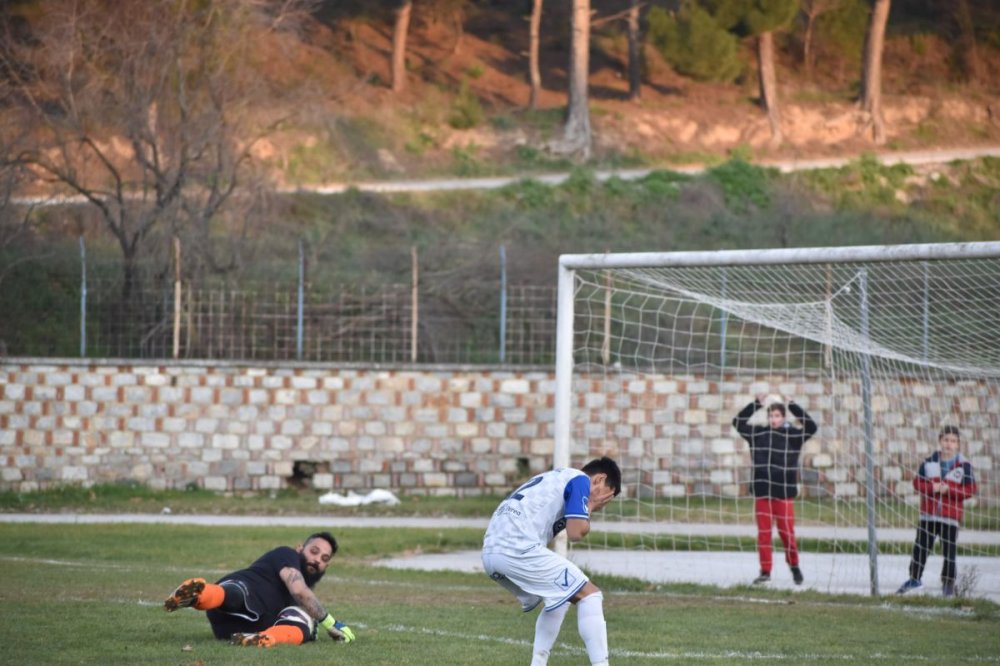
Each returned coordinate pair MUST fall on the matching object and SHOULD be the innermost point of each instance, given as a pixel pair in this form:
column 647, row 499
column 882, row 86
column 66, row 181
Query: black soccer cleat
column 797, row 575
column 252, row 640
column 761, row 579
column 185, row 595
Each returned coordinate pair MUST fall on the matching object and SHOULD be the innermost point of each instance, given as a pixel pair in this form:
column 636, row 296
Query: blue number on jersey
column 518, row 495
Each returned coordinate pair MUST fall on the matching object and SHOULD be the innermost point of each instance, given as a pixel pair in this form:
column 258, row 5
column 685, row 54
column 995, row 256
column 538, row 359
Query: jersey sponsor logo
column 506, row 509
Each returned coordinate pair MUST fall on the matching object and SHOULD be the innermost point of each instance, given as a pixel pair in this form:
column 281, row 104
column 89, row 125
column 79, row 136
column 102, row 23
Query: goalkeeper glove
column 337, row 630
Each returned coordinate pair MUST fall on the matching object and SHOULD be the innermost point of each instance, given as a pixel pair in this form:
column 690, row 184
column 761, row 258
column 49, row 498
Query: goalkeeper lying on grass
column 271, row 601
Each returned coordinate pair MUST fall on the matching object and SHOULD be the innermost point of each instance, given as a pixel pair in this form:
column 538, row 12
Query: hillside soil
column 358, row 128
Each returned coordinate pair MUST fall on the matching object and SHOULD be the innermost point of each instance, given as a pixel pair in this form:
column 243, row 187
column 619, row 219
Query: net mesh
column 664, row 358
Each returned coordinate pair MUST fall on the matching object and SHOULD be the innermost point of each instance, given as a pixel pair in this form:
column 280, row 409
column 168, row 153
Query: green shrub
column 466, row 111
column 743, row 184
column 840, row 33
column 466, row 161
column 694, row 44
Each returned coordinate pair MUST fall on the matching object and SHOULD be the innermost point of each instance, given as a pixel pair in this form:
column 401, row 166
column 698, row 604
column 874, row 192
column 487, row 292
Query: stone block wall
column 439, row 430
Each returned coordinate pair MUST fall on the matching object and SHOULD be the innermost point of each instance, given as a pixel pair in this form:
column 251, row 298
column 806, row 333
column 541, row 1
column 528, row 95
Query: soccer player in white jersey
column 516, row 553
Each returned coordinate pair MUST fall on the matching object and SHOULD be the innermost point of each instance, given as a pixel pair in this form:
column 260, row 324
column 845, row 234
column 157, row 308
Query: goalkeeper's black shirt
column 775, row 451
column 266, row 594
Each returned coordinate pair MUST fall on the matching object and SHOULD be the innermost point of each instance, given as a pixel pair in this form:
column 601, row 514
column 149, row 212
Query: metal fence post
column 414, row 304
column 301, row 299
column 503, row 303
column 83, row 299
column 177, row 298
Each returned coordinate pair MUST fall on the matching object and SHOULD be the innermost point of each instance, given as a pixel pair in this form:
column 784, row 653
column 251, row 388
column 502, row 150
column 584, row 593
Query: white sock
column 593, row 630
column 546, row 631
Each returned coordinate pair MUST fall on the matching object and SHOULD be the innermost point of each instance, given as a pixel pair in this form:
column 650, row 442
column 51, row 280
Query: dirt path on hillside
column 913, row 158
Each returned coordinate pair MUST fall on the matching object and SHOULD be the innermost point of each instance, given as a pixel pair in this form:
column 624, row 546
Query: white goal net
column 882, row 346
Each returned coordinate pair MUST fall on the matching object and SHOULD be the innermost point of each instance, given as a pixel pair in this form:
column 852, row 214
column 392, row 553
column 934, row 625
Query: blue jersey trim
column 577, row 496
column 566, row 599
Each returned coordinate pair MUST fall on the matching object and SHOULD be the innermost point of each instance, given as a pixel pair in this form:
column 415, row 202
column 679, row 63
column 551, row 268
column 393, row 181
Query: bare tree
column 15, row 219
column 871, row 73
column 760, row 19
column 399, row 35
column 811, row 11
column 634, row 43
column 972, row 62
column 147, row 111
column 763, row 18
column 769, row 84
column 577, row 137
column 534, row 36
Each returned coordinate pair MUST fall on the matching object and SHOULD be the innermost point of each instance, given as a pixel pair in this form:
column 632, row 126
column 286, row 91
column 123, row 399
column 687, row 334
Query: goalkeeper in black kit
column 775, row 450
column 271, row 601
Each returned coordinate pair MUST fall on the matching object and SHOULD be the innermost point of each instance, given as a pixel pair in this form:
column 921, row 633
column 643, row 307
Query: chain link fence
column 157, row 318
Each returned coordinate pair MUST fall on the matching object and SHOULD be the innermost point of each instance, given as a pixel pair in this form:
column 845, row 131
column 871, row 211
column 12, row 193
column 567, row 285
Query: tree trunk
column 969, row 51
column 634, row 66
column 399, row 33
column 769, row 84
column 534, row 74
column 807, row 38
column 577, row 139
column 871, row 74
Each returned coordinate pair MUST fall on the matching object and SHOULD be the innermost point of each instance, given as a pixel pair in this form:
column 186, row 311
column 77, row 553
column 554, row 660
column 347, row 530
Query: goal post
column 883, row 345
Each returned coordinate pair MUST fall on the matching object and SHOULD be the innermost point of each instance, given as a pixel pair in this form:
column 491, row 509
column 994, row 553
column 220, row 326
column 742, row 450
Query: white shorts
column 536, row 576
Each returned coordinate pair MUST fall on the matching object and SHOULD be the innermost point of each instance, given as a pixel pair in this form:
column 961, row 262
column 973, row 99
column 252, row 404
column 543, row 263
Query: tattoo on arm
column 303, row 596
column 311, row 605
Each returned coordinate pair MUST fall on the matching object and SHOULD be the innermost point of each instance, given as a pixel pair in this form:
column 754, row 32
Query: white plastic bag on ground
column 377, row 496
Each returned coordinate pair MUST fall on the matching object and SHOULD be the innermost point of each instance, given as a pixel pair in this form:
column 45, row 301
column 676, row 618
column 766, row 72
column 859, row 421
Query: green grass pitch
column 92, row 594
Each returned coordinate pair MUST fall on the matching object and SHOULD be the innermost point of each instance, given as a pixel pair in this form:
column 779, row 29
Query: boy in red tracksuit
column 775, row 449
column 944, row 482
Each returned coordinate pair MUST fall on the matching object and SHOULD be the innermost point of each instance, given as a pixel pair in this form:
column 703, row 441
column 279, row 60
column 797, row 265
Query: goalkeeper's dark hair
column 325, row 536
column 609, row 467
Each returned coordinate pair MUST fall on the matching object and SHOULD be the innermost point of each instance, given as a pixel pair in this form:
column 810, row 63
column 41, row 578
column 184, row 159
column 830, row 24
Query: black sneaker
column 797, row 575
column 762, row 578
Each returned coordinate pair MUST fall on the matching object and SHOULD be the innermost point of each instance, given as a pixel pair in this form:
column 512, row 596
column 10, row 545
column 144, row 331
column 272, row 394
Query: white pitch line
column 895, row 608
column 102, row 565
column 563, row 649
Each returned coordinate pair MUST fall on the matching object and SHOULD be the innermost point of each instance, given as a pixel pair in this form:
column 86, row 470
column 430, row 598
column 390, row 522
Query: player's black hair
column 778, row 407
column 608, row 467
column 949, row 430
column 326, row 536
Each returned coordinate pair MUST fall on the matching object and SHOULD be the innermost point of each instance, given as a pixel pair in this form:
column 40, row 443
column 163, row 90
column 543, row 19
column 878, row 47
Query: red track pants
column 781, row 511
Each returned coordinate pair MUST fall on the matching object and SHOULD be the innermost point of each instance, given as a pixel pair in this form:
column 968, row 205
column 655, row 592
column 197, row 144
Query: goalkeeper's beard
column 311, row 577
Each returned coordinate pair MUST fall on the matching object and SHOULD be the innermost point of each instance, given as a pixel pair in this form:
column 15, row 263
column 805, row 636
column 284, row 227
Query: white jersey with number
column 537, row 511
